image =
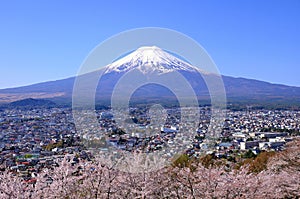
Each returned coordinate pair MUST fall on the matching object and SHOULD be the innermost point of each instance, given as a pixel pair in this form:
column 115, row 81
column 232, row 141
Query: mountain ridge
column 154, row 61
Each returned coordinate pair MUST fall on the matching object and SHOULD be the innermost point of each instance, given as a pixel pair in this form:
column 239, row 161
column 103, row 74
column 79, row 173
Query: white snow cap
column 150, row 59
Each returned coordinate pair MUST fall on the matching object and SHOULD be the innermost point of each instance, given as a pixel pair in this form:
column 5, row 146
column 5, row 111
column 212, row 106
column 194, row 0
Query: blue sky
column 48, row 40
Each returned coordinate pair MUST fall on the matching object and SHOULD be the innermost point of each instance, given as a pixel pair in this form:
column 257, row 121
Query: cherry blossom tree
column 11, row 186
column 131, row 178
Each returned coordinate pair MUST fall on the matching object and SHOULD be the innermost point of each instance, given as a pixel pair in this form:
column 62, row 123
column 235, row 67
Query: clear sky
column 48, row 40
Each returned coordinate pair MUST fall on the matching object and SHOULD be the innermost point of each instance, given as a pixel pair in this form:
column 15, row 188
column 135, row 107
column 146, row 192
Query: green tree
column 182, row 161
column 249, row 154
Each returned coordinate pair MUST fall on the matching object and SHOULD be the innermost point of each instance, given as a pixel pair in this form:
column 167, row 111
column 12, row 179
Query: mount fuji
column 151, row 61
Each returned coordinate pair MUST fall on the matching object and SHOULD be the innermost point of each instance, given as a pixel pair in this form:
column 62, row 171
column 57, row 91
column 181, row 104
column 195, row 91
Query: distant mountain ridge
column 154, row 61
column 30, row 103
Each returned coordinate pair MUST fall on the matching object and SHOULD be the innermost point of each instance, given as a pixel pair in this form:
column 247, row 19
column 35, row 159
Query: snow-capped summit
column 149, row 59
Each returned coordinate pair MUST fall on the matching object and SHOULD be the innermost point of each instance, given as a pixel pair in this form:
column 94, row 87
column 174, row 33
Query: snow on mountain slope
column 149, row 59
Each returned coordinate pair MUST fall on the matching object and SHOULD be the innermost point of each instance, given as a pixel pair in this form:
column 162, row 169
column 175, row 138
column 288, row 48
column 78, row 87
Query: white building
column 249, row 145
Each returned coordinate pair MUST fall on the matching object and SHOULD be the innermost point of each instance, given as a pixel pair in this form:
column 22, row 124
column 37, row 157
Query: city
column 34, row 139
